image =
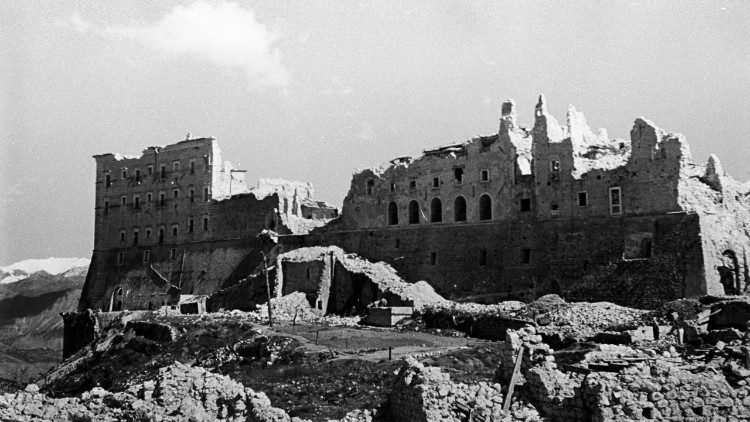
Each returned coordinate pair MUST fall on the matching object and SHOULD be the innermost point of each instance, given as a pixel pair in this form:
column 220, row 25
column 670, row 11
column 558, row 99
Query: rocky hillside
column 33, row 293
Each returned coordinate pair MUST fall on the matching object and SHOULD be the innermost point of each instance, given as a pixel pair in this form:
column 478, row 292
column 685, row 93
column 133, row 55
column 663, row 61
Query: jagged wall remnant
column 526, row 212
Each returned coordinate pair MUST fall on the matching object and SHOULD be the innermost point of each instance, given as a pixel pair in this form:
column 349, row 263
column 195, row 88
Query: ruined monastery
column 552, row 208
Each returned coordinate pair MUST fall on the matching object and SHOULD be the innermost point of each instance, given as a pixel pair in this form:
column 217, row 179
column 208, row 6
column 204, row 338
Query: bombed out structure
column 523, row 212
column 179, row 222
column 553, row 209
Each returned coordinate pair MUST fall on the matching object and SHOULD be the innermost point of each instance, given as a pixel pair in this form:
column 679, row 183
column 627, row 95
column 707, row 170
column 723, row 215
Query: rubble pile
column 294, row 307
column 180, row 393
column 554, row 316
column 427, row 394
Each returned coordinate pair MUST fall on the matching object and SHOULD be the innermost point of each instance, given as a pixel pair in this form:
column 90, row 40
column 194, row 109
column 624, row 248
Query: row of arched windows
column 436, row 210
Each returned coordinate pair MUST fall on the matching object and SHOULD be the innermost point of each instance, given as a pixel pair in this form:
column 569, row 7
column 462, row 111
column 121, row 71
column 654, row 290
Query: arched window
column 485, row 207
column 436, row 210
column 459, row 209
column 413, row 212
column 392, row 213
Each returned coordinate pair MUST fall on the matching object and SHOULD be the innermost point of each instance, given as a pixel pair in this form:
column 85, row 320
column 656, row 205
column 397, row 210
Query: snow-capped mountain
column 52, row 266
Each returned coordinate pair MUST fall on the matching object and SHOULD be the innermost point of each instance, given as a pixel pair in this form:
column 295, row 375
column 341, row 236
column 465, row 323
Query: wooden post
column 268, row 290
column 513, row 379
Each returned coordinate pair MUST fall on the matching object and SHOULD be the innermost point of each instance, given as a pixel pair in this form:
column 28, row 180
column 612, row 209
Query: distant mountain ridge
column 51, row 266
column 33, row 293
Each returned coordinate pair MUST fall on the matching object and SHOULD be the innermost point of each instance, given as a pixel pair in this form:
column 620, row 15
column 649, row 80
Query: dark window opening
column 484, row 175
column 150, row 170
column 176, row 193
column 162, row 199
column 525, row 204
column 120, row 258
column 485, row 207
column 163, row 171
column 435, row 182
column 308, row 273
column 370, row 186
column 436, row 211
column 483, row 257
column 412, row 184
column 615, row 201
column 433, row 258
column 191, row 195
column 413, row 212
column 393, row 187
column 137, row 175
column 525, row 255
column 161, row 236
column 583, row 199
column 122, row 235
column 137, row 202
column 458, row 174
column 190, row 225
column 554, row 207
column 146, row 256
column 392, row 213
column 459, row 209
column 174, row 230
column 124, row 174
column 192, row 167
column 205, row 224
column 205, row 195
column 398, row 243
column 122, row 200
column 135, row 237
column 107, row 180
column 106, row 207
column 148, row 233
column 622, row 145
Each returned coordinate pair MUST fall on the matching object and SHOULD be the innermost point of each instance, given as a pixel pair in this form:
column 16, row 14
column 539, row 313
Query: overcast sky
column 315, row 90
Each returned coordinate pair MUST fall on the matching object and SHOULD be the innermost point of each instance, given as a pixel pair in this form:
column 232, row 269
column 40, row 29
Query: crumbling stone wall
column 427, row 394
column 545, row 207
column 201, row 237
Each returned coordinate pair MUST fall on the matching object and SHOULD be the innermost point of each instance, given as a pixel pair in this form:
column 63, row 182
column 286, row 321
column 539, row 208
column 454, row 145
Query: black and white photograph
column 374, row 211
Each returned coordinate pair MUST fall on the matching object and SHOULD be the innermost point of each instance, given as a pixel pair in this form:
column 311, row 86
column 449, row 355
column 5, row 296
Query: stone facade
column 177, row 220
column 529, row 211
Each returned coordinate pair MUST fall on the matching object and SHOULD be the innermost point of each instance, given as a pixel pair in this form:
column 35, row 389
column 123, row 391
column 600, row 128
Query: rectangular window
column 176, row 166
column 554, row 207
column 137, row 202
column 150, row 170
column 525, row 255
column 458, row 174
column 205, row 195
column 174, row 230
column 190, row 225
column 172, row 254
column 370, row 186
column 205, row 224
column 137, row 175
column 146, row 256
column 148, row 234
column 433, row 258
column 484, row 175
column 161, row 235
column 176, row 193
column 554, row 166
column 615, row 201
column 412, row 184
column 149, row 197
column 135, row 236
column 162, row 199
column 163, row 171
column 435, row 182
column 191, row 194
column 123, row 200
column 106, row 207
column 525, row 204
column 393, row 187
column 107, row 180
column 192, row 166
column 583, row 199
column 120, row 258
column 124, row 174
column 122, row 235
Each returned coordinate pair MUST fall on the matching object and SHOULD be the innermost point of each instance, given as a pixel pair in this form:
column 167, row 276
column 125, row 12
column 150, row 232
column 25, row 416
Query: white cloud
column 224, row 33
